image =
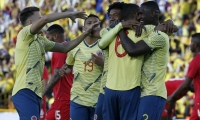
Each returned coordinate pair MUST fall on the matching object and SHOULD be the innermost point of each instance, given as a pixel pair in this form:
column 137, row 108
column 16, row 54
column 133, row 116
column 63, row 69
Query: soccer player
column 29, row 58
column 114, row 13
column 60, row 108
column 156, row 50
column 87, row 75
column 153, row 89
column 193, row 74
column 122, row 90
column 128, row 80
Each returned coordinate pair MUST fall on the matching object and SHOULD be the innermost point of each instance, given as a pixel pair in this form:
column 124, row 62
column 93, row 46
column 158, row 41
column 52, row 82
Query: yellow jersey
column 29, row 60
column 87, row 75
column 124, row 72
column 155, row 65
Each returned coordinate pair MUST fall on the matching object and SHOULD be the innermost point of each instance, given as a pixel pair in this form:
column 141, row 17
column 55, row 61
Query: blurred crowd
column 184, row 13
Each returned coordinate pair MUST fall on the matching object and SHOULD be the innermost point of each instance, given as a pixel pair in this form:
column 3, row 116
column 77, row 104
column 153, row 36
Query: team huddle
column 112, row 73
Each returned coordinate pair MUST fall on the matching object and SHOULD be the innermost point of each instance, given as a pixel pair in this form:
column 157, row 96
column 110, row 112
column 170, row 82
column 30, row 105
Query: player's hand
column 77, row 14
column 114, row 23
column 170, row 99
column 130, row 24
column 138, row 29
column 171, row 106
column 97, row 60
column 63, row 70
column 91, row 27
column 169, row 27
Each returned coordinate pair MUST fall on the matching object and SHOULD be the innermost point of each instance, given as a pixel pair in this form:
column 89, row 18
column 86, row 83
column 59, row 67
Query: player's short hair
column 89, row 16
column 55, row 28
column 26, row 13
column 129, row 11
column 152, row 5
column 115, row 5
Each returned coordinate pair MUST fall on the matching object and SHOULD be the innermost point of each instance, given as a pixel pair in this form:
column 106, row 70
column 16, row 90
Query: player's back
column 124, row 72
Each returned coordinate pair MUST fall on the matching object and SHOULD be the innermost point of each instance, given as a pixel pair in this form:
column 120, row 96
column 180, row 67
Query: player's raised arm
column 64, row 48
column 141, row 47
column 167, row 27
column 42, row 21
column 132, row 49
column 109, row 36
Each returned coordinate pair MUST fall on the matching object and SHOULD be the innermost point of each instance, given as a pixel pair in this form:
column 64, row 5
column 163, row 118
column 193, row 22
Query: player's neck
column 90, row 40
column 153, row 21
column 197, row 52
column 61, row 41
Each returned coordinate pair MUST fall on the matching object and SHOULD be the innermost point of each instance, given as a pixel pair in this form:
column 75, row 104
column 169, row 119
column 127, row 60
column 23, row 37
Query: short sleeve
column 149, row 29
column 26, row 34
column 27, row 30
column 156, row 39
column 70, row 58
column 47, row 43
column 193, row 68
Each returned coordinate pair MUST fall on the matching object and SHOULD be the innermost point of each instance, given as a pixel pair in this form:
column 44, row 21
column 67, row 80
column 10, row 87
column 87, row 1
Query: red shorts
column 195, row 112
column 43, row 109
column 60, row 110
column 165, row 113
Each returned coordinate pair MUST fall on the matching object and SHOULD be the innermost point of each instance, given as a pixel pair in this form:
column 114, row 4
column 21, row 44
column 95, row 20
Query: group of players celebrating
column 116, row 73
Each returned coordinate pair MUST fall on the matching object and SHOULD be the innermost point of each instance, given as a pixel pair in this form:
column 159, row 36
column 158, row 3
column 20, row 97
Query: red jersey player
column 45, row 78
column 60, row 108
column 193, row 74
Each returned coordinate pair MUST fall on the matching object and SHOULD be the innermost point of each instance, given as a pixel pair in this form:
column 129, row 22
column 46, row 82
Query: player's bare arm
column 133, row 49
column 54, row 79
column 40, row 23
column 64, row 48
column 167, row 27
column 140, row 48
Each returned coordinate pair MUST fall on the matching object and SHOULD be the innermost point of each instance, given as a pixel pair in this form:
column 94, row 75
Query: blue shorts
column 151, row 108
column 121, row 105
column 99, row 108
column 80, row 112
column 27, row 104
